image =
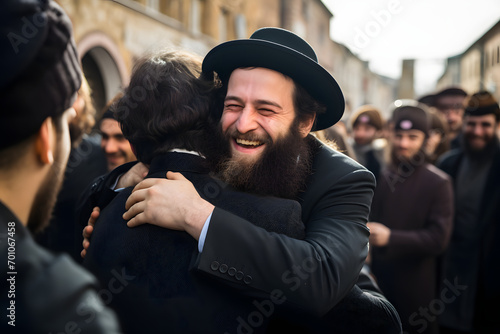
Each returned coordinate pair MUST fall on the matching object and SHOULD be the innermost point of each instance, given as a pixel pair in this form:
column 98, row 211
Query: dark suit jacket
column 472, row 258
column 51, row 294
column 170, row 297
column 313, row 274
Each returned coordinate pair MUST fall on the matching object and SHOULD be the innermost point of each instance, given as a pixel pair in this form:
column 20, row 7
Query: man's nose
column 403, row 143
column 478, row 130
column 110, row 146
column 247, row 120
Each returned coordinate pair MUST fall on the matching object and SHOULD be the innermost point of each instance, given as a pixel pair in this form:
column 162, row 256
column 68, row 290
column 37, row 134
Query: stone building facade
column 112, row 34
column 478, row 68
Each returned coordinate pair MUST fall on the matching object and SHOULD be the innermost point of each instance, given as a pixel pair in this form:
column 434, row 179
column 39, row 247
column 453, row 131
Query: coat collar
column 177, row 162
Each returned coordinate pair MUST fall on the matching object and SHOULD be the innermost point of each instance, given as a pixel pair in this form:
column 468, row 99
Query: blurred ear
column 43, row 144
column 306, row 126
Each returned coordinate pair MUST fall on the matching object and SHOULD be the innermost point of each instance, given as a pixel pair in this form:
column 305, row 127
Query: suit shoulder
column 448, row 158
column 437, row 174
column 328, row 161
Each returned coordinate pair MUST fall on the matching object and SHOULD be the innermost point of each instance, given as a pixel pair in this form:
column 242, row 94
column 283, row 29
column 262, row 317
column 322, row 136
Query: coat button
column 247, row 279
column 223, row 268
column 239, row 275
column 231, row 271
column 214, row 265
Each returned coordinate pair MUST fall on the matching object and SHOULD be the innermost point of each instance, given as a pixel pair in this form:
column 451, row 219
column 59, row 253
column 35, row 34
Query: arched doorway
column 102, row 75
column 103, row 68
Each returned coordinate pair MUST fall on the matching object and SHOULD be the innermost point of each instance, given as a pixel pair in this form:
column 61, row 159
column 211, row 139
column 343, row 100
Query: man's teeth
column 248, row 142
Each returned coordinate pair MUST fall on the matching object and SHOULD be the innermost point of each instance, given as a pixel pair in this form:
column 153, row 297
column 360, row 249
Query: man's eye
column 232, row 106
column 266, row 111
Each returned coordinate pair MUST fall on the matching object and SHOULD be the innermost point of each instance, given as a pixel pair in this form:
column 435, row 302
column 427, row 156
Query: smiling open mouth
column 248, row 143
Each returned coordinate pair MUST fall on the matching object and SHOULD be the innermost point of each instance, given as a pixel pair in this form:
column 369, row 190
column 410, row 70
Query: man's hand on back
column 134, row 175
column 87, row 230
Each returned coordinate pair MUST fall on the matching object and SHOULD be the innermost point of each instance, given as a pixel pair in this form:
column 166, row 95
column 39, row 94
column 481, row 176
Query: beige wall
column 470, row 69
column 491, row 78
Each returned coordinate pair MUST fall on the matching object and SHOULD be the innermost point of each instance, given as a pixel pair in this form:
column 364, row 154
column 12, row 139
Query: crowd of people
column 231, row 197
column 434, row 214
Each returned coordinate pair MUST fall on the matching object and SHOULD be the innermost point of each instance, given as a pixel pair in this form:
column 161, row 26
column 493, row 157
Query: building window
column 153, row 4
column 223, row 26
column 196, row 9
column 322, row 33
column 305, row 9
column 241, row 26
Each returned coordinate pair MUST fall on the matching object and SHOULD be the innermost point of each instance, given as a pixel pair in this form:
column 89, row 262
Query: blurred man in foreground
column 42, row 293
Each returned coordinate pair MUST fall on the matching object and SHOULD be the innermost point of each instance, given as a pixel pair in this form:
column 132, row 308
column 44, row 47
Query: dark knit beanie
column 368, row 114
column 411, row 117
column 482, row 103
column 39, row 66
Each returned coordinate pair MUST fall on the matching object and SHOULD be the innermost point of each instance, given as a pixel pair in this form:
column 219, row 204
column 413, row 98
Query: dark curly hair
column 167, row 105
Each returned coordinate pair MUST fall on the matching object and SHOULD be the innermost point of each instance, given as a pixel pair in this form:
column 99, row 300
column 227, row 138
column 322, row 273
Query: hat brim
column 316, row 80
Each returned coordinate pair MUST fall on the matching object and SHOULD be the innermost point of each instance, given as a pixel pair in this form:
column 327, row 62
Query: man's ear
column 306, row 125
column 44, row 140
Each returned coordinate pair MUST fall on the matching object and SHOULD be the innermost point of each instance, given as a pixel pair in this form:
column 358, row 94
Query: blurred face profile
column 115, row 146
column 407, row 143
column 479, row 131
column 364, row 134
column 452, row 108
column 45, row 199
column 435, row 138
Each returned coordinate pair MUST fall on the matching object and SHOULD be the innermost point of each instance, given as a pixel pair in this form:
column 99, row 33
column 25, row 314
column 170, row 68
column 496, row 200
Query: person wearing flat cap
column 39, row 77
column 450, row 103
column 367, row 125
column 471, row 261
column 411, row 220
column 274, row 93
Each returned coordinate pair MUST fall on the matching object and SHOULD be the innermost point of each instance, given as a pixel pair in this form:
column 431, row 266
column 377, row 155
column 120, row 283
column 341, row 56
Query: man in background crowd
column 367, row 125
column 411, row 221
column 470, row 264
column 114, row 144
column 450, row 102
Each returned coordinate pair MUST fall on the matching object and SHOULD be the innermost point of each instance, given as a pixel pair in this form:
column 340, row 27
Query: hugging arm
column 313, row 274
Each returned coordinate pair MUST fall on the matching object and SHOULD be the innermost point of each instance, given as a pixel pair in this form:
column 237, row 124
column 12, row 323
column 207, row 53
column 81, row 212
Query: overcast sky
column 386, row 31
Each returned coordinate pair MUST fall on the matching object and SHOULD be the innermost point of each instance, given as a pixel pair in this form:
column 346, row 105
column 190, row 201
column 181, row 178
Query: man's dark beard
column 482, row 155
column 281, row 170
column 46, row 196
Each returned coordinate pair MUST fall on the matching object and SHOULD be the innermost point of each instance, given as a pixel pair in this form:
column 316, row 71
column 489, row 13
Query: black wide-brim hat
column 282, row 51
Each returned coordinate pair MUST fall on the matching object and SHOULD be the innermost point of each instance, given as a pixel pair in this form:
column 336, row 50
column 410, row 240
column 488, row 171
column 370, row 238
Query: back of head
column 39, row 68
column 167, row 106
